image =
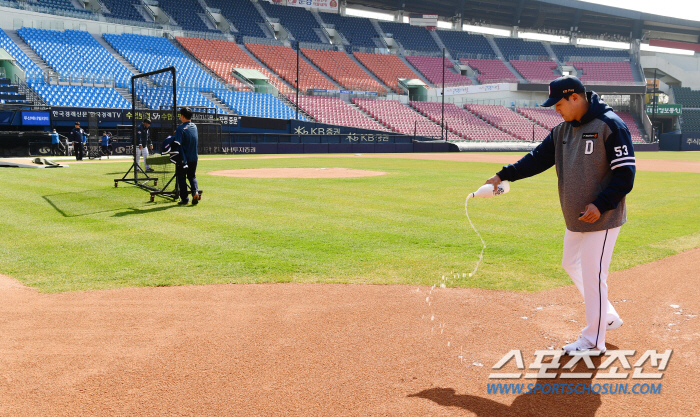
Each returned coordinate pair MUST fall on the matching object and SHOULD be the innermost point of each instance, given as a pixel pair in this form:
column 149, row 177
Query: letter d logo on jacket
column 589, row 147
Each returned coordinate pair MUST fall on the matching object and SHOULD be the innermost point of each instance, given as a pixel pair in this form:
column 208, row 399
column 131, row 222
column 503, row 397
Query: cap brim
column 550, row 102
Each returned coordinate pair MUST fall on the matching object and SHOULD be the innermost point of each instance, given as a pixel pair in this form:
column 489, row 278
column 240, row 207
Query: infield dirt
column 330, row 350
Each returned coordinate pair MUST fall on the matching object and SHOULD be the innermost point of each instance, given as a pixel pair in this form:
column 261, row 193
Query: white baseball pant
column 143, row 152
column 586, row 259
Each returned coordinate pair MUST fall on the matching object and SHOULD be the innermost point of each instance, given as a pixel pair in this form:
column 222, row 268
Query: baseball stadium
column 349, row 208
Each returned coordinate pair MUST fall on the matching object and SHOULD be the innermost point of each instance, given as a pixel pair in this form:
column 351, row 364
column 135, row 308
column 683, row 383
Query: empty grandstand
column 221, row 57
column 149, row 53
column 256, row 104
column 571, row 52
column 490, row 71
column 333, row 110
column 32, row 70
column 244, row 16
column 466, row 45
column 213, row 71
column 509, row 122
column 514, row 48
column 462, row 123
column 686, row 97
column 282, row 60
column 432, row 69
column 388, row 68
column 402, row 119
column 413, row 38
column 690, row 121
column 343, row 70
column 74, row 53
column 187, row 13
column 356, row 30
column 297, row 20
column 124, row 9
column 610, row 73
column 73, row 96
column 540, row 72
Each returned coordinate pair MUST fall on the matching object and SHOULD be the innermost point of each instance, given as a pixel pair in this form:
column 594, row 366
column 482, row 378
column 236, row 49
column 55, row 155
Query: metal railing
column 467, row 55
column 529, row 57
column 56, row 12
column 574, row 58
column 364, row 49
column 262, row 41
column 409, row 52
column 30, row 94
column 320, row 46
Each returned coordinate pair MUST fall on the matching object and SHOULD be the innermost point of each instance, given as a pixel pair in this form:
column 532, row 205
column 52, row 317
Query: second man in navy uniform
column 143, row 135
column 76, row 136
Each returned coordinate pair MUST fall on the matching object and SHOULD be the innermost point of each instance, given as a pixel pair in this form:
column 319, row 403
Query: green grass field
column 70, row 229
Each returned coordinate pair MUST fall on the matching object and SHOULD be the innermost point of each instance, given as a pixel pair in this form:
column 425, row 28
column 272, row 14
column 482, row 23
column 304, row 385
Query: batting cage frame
column 140, row 177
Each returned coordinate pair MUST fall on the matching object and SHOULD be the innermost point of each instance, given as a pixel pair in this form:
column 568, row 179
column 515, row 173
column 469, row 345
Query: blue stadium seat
column 157, row 98
column 186, row 13
column 32, row 70
column 73, row 96
column 75, row 52
column 514, row 48
column 256, row 104
column 242, row 14
column 151, row 53
column 63, row 5
column 564, row 52
column 413, row 38
column 357, row 30
column 299, row 21
column 463, row 44
column 124, row 9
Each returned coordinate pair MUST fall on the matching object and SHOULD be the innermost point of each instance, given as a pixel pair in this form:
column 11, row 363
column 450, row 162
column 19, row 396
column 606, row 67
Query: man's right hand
column 495, row 180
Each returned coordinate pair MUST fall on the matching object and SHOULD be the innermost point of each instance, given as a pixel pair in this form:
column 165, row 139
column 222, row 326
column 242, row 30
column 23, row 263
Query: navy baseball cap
column 563, row 87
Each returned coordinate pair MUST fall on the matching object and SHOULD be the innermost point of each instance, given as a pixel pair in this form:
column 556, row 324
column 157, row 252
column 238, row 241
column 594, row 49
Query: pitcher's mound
column 298, row 173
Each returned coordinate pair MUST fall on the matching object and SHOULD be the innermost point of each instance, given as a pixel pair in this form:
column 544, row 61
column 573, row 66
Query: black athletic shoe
column 183, row 202
column 195, row 199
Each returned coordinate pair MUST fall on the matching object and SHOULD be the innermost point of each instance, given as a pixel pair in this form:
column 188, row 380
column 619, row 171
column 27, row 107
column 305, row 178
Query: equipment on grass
column 142, row 87
column 485, row 191
column 93, row 141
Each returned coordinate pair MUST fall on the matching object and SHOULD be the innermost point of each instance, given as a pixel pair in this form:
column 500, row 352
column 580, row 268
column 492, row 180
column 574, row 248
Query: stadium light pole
column 444, row 134
column 297, row 81
column 653, row 111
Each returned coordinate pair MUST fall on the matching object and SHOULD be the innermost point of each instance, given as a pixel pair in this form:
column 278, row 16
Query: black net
column 154, row 96
column 153, row 119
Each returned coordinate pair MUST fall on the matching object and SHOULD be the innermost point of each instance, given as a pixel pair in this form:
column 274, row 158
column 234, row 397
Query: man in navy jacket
column 187, row 137
column 594, row 159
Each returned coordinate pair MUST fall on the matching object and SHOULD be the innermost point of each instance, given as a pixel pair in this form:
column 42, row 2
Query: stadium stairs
column 12, row 34
column 366, row 70
column 282, row 60
column 494, row 46
column 551, row 52
column 415, row 71
column 388, row 67
column 281, row 80
column 218, row 102
column 515, row 72
column 118, row 56
column 320, row 71
column 347, row 72
column 196, row 60
column 124, row 92
column 332, row 110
